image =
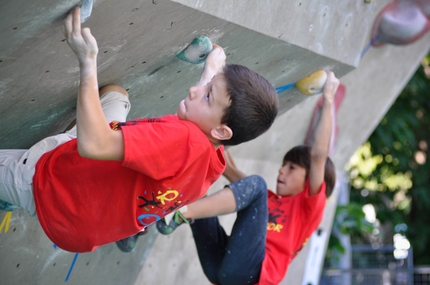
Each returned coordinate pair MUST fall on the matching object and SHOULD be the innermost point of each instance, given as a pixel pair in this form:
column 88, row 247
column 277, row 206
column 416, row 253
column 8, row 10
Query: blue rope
column 71, row 266
column 372, row 42
column 284, row 87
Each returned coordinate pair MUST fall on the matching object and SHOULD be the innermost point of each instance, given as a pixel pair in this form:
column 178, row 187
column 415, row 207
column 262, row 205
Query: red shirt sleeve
column 310, row 203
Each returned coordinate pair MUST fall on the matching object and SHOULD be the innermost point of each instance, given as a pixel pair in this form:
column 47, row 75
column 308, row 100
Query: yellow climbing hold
column 313, row 83
column 6, row 222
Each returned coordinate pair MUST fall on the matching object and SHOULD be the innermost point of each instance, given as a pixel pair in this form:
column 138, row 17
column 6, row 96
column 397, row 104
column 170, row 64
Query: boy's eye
column 207, row 97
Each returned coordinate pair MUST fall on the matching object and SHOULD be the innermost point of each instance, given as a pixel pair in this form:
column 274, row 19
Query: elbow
column 319, row 153
column 86, row 151
column 83, row 152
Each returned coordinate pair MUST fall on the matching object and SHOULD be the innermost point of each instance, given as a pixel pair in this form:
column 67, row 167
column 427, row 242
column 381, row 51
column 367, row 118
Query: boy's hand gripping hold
column 214, row 64
column 330, row 87
column 81, row 41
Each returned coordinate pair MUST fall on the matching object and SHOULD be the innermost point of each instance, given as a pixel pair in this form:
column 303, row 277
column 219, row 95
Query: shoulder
column 306, row 193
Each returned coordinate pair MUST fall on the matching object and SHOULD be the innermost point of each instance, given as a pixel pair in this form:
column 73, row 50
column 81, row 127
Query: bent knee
column 116, row 88
column 258, row 183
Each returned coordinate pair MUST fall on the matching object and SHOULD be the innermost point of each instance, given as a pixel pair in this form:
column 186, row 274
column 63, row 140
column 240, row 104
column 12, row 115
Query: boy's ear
column 222, row 133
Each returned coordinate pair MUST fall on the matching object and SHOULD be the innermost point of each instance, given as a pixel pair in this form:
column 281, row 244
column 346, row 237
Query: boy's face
column 291, row 179
column 205, row 105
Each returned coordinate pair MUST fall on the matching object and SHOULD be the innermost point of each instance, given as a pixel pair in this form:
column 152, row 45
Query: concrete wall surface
column 336, row 29
column 138, row 40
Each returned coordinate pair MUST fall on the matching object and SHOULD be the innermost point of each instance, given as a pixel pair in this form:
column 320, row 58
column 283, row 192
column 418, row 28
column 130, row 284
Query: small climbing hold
column 197, row 51
column 313, row 83
column 86, row 9
column 7, row 207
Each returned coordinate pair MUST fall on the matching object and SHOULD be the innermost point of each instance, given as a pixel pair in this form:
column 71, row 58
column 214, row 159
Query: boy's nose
column 193, row 92
column 281, row 170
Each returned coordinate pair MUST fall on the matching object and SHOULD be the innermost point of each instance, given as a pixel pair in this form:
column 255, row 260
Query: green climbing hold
column 7, row 207
column 197, row 51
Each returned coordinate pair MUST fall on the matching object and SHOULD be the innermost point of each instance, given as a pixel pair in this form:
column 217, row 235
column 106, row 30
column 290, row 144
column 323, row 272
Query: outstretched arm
column 95, row 138
column 220, row 203
column 231, row 172
column 321, row 143
column 214, row 63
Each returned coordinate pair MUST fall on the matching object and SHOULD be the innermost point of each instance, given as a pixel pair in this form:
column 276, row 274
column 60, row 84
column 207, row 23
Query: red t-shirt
column 83, row 203
column 292, row 220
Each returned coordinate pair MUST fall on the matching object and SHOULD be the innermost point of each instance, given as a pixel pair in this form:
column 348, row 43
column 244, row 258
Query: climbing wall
column 138, row 41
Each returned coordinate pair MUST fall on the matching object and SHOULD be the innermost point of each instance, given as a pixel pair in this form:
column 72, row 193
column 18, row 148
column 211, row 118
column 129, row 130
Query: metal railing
column 377, row 266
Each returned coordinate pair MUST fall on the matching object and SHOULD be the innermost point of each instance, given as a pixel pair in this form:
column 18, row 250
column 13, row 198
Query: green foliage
column 393, row 165
column 349, row 220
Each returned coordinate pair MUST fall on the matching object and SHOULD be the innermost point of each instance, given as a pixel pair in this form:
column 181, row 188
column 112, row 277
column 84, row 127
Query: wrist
column 328, row 101
column 88, row 60
column 206, row 77
column 87, row 65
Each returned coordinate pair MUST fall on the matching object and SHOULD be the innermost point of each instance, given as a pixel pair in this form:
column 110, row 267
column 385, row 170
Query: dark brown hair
column 301, row 155
column 253, row 104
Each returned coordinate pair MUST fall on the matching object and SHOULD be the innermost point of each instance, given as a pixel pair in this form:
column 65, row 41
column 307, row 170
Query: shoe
column 128, row 244
column 166, row 226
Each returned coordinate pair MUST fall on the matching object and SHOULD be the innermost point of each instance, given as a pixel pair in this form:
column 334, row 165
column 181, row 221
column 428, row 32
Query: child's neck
column 216, row 143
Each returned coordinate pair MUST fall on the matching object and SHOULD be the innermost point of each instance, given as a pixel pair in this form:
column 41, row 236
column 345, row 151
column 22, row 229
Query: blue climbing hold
column 86, row 9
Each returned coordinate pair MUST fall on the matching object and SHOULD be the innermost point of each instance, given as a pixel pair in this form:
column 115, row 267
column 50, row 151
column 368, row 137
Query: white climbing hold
column 402, row 25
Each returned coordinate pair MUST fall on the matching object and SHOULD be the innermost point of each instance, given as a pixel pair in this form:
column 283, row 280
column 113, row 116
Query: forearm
column 321, row 143
column 92, row 128
column 219, row 203
column 233, row 174
column 207, row 75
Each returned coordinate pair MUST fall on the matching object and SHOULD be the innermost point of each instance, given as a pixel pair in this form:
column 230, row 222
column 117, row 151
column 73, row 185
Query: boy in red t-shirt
column 270, row 229
column 118, row 177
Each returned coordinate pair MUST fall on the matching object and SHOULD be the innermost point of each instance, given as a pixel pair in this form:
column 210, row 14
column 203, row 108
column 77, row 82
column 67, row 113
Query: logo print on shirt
column 149, row 202
column 163, row 197
column 273, row 224
column 160, row 202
